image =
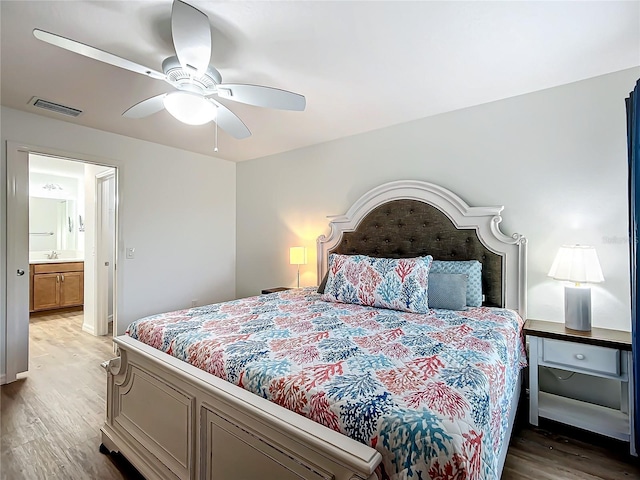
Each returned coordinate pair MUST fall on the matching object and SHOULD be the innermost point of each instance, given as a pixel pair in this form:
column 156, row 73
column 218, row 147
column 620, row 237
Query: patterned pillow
column 448, row 291
column 472, row 268
column 396, row 284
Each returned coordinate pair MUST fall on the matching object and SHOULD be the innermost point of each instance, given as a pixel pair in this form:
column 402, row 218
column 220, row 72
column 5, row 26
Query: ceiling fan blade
column 230, row 123
column 191, row 37
column 262, row 96
column 95, row 53
column 146, row 107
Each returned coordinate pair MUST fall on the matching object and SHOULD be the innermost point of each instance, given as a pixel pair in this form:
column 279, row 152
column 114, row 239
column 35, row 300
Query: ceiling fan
column 197, row 83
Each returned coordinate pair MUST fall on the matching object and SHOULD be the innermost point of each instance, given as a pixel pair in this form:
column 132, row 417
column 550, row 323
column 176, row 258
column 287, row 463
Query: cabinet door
column 71, row 289
column 46, row 291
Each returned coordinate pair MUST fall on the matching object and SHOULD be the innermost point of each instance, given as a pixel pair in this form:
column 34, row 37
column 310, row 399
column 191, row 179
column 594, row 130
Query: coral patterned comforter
column 431, row 392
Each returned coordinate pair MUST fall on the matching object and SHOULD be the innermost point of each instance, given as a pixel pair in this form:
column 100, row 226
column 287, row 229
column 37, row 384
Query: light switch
column 131, row 253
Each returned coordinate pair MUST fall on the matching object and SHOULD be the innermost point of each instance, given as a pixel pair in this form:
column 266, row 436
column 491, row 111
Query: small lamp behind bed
column 298, row 256
column 578, row 264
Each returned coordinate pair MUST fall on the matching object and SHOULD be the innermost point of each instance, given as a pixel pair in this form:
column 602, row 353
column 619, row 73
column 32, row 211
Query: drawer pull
column 579, row 356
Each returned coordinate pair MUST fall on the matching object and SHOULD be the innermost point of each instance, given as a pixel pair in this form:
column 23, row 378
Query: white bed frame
column 174, row 421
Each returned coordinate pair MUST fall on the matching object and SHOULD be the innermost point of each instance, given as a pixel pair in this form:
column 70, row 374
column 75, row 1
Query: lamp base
column 577, row 308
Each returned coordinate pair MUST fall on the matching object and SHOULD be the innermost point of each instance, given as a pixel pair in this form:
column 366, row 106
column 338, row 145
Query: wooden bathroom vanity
column 55, row 285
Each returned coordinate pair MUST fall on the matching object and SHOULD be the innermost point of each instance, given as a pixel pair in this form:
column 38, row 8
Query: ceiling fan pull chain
column 215, row 148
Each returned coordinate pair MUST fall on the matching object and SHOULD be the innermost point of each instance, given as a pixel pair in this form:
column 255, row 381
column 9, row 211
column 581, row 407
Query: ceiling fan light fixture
column 190, row 108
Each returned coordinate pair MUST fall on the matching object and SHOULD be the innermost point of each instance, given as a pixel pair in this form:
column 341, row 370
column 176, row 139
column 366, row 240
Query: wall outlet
column 194, row 303
column 131, row 253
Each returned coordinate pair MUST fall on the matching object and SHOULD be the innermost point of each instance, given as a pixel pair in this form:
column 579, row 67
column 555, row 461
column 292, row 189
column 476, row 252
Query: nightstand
column 600, row 353
column 274, row 290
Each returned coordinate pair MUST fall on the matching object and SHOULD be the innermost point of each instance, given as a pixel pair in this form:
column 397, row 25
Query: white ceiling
column 361, row 65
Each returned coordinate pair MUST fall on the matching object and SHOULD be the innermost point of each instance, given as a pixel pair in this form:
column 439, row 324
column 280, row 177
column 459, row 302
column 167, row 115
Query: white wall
column 177, row 209
column 556, row 159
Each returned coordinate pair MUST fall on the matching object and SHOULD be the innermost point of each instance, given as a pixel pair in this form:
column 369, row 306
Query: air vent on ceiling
column 54, row 107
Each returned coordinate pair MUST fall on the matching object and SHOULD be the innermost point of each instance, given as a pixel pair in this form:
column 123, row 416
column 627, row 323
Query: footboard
column 174, row 421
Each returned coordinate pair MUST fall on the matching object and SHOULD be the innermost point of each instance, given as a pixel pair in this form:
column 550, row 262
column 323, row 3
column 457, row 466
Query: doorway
column 71, row 239
column 61, row 254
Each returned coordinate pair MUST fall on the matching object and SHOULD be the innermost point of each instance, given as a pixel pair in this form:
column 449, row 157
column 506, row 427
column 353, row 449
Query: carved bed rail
column 172, row 420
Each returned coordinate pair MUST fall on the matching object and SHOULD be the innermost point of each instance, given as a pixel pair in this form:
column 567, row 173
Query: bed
column 340, row 390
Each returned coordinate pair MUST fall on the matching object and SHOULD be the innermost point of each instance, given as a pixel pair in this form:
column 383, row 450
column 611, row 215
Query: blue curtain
column 633, row 141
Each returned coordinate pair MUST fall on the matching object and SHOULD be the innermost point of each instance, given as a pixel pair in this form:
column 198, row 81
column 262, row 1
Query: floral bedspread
column 431, row 392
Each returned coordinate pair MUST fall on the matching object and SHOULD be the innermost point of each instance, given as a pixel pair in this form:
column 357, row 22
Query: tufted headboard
column 412, row 218
column 410, row 228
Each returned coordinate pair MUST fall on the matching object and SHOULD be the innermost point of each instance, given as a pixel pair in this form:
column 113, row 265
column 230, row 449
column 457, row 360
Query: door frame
column 16, row 341
column 101, row 278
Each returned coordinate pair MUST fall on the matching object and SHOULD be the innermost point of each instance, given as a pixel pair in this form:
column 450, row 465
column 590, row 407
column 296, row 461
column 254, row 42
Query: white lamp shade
column 298, row 256
column 190, row 108
column 577, row 263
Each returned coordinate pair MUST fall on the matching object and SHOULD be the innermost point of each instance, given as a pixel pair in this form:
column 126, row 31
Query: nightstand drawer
column 587, row 357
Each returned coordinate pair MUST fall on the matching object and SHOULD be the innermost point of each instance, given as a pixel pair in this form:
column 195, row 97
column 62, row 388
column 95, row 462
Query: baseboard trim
column 56, row 311
column 3, row 378
column 88, row 328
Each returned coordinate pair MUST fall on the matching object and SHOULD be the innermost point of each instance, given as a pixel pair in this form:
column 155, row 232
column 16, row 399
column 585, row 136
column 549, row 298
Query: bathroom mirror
column 53, row 224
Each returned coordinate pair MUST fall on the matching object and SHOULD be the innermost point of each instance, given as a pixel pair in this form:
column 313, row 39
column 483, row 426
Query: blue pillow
column 472, row 268
column 448, row 291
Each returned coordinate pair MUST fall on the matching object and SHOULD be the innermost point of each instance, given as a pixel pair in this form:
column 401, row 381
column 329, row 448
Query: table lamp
column 578, row 264
column 298, row 256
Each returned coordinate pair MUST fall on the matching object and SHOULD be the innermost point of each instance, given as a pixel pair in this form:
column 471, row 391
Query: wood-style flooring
column 50, row 421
